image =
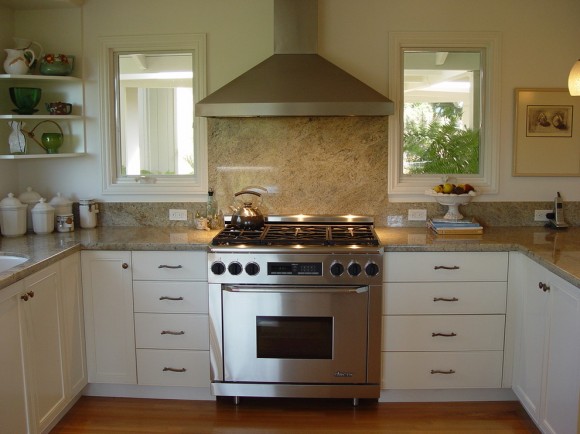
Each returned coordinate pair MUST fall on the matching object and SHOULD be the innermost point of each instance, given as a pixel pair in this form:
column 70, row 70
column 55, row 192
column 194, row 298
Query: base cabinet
column 42, row 355
column 546, row 374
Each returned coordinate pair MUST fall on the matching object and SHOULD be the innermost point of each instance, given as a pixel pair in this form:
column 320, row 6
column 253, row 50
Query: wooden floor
column 285, row 416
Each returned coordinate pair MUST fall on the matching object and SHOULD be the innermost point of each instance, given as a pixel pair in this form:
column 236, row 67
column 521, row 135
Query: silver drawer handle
column 445, row 299
column 171, row 298
column 438, row 371
column 445, row 267
column 174, row 369
column 169, row 332
column 447, row 335
column 173, row 267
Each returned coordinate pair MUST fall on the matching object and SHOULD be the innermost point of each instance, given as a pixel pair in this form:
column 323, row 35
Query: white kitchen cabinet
column 546, row 375
column 13, row 414
column 171, row 318
column 108, row 310
column 443, row 319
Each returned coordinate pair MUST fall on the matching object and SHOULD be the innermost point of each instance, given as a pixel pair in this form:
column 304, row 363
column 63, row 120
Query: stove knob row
column 235, row 268
column 354, row 269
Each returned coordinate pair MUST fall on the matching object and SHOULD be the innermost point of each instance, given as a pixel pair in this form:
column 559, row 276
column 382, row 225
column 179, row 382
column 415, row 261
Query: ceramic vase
column 16, row 139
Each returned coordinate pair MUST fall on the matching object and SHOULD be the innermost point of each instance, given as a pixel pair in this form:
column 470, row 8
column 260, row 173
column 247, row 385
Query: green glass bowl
column 25, row 99
column 51, row 142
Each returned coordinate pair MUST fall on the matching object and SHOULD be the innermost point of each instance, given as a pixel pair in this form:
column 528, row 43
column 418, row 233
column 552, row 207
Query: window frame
column 174, row 188
column 404, row 188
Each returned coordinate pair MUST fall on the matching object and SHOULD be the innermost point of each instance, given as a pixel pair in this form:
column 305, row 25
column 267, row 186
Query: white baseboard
column 446, row 395
column 154, row 392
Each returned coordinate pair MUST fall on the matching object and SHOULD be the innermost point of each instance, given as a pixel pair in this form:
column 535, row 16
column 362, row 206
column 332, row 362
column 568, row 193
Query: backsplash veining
column 319, row 165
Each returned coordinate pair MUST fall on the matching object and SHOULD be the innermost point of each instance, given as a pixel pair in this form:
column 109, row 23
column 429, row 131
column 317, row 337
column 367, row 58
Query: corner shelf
column 40, row 156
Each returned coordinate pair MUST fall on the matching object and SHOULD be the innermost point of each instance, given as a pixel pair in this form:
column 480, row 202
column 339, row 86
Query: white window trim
column 407, row 188
column 182, row 188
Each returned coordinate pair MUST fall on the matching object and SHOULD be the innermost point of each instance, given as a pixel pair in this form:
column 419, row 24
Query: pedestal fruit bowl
column 452, row 196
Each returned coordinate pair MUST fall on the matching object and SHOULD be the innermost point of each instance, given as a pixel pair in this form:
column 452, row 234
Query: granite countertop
column 558, row 251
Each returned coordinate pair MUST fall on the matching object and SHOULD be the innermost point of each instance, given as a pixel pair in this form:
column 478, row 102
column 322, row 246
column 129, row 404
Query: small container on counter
column 88, row 210
column 43, row 217
column 61, row 205
column 65, row 223
column 13, row 216
column 30, row 198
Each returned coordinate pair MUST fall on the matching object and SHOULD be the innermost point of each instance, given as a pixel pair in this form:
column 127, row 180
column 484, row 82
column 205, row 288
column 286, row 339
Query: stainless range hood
column 295, row 81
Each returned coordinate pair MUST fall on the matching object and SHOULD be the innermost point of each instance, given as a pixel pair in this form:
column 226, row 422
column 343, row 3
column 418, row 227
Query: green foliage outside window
column 435, row 141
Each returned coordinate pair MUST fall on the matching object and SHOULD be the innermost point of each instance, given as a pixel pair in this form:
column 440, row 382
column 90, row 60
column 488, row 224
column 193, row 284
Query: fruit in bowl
column 452, row 195
column 449, row 188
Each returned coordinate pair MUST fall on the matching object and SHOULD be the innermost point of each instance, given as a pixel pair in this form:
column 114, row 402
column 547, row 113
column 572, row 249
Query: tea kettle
column 246, row 214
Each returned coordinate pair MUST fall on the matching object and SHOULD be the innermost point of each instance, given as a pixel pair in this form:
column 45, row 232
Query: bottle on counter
column 214, row 217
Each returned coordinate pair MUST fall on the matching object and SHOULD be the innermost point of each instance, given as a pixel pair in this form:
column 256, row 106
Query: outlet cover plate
column 540, row 215
column 177, row 214
column 417, row 215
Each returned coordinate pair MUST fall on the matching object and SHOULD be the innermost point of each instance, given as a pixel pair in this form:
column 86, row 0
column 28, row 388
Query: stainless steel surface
column 295, row 81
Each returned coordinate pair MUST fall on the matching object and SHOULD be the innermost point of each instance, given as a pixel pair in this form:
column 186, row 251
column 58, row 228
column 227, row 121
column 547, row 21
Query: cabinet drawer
column 172, row 331
column 413, row 370
column 445, row 266
column 444, row 298
column 173, row 368
column 425, row 333
column 170, row 297
column 169, row 266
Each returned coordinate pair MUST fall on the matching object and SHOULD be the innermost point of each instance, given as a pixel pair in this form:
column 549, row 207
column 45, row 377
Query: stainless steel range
column 295, row 309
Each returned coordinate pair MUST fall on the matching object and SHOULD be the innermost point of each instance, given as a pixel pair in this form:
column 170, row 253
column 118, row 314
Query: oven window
column 291, row 337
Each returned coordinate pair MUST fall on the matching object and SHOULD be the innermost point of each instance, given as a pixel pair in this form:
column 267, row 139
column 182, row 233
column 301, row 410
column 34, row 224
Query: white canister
column 30, row 198
column 13, row 216
column 61, row 205
column 43, row 217
column 65, row 223
column 88, row 210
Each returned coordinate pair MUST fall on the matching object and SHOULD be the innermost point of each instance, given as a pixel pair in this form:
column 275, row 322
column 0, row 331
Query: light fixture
column 574, row 79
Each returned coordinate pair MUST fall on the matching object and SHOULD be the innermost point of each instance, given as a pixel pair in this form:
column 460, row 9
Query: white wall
column 540, row 42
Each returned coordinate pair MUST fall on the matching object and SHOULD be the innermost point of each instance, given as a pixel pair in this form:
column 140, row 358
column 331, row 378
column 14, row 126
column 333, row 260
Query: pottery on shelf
column 18, row 61
column 16, row 139
column 25, row 99
column 56, row 64
column 51, row 142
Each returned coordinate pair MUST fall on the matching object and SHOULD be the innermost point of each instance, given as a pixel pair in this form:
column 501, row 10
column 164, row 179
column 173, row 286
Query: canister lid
column 29, row 196
column 11, row 202
column 59, row 200
column 87, row 201
column 42, row 207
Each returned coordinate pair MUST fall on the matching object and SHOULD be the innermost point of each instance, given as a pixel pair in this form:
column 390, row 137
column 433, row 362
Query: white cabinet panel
column 173, row 367
column 169, row 266
column 170, row 297
column 172, row 331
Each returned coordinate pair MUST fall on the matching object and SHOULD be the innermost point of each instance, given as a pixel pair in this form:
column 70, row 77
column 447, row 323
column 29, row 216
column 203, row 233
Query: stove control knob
column 218, row 268
column 372, row 269
column 354, row 269
column 336, row 269
column 235, row 268
column 252, row 268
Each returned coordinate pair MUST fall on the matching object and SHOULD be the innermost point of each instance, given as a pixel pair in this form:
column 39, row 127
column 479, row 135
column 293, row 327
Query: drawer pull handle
column 438, row 371
column 445, row 267
column 447, row 335
column 28, row 295
column 173, row 267
column 445, row 299
column 544, row 286
column 174, row 369
column 171, row 298
column 124, row 265
column 169, row 332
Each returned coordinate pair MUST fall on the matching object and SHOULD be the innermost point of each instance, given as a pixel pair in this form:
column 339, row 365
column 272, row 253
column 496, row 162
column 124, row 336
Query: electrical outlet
column 540, row 215
column 177, row 214
column 417, row 215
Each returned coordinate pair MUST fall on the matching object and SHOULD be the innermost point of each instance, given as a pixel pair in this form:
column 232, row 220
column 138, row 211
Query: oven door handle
column 295, row 289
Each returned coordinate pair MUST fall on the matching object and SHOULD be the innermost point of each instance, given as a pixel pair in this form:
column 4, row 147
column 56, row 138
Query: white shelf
column 40, row 156
column 47, row 116
column 38, row 77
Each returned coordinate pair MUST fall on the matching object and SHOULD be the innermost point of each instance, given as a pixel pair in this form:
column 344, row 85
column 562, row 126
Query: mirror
column 155, row 114
column 152, row 141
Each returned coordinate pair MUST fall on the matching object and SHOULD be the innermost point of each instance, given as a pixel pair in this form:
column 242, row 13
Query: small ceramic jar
column 61, row 205
column 13, row 214
column 43, row 217
column 88, row 210
column 65, row 223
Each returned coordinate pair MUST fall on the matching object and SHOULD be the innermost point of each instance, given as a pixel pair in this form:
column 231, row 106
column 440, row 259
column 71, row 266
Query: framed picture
column 545, row 140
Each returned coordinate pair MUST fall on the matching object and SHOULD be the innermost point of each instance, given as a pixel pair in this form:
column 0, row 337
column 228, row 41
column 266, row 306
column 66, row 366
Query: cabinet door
column 109, row 327
column 72, row 314
column 13, row 418
column 530, row 333
column 43, row 330
column 562, row 384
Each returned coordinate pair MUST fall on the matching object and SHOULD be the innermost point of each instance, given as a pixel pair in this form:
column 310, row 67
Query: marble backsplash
column 318, row 165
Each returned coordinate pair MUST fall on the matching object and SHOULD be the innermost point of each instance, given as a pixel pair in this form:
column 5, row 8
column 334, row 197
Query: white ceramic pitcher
column 16, row 62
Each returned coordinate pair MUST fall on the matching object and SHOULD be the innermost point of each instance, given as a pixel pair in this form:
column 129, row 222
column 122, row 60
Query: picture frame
column 546, row 138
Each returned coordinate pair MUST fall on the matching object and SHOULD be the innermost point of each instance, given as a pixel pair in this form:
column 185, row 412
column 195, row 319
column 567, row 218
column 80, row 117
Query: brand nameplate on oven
column 295, row 268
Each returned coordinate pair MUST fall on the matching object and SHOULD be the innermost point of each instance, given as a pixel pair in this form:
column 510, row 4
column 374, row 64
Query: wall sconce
column 574, row 79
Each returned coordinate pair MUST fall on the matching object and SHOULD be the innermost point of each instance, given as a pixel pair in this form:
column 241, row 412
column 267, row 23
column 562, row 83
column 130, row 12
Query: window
column 447, row 111
column 153, row 143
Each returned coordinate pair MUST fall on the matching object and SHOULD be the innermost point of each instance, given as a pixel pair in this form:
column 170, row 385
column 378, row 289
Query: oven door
column 295, row 334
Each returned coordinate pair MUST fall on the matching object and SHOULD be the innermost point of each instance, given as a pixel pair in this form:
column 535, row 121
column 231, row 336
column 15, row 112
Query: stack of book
column 455, row 227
